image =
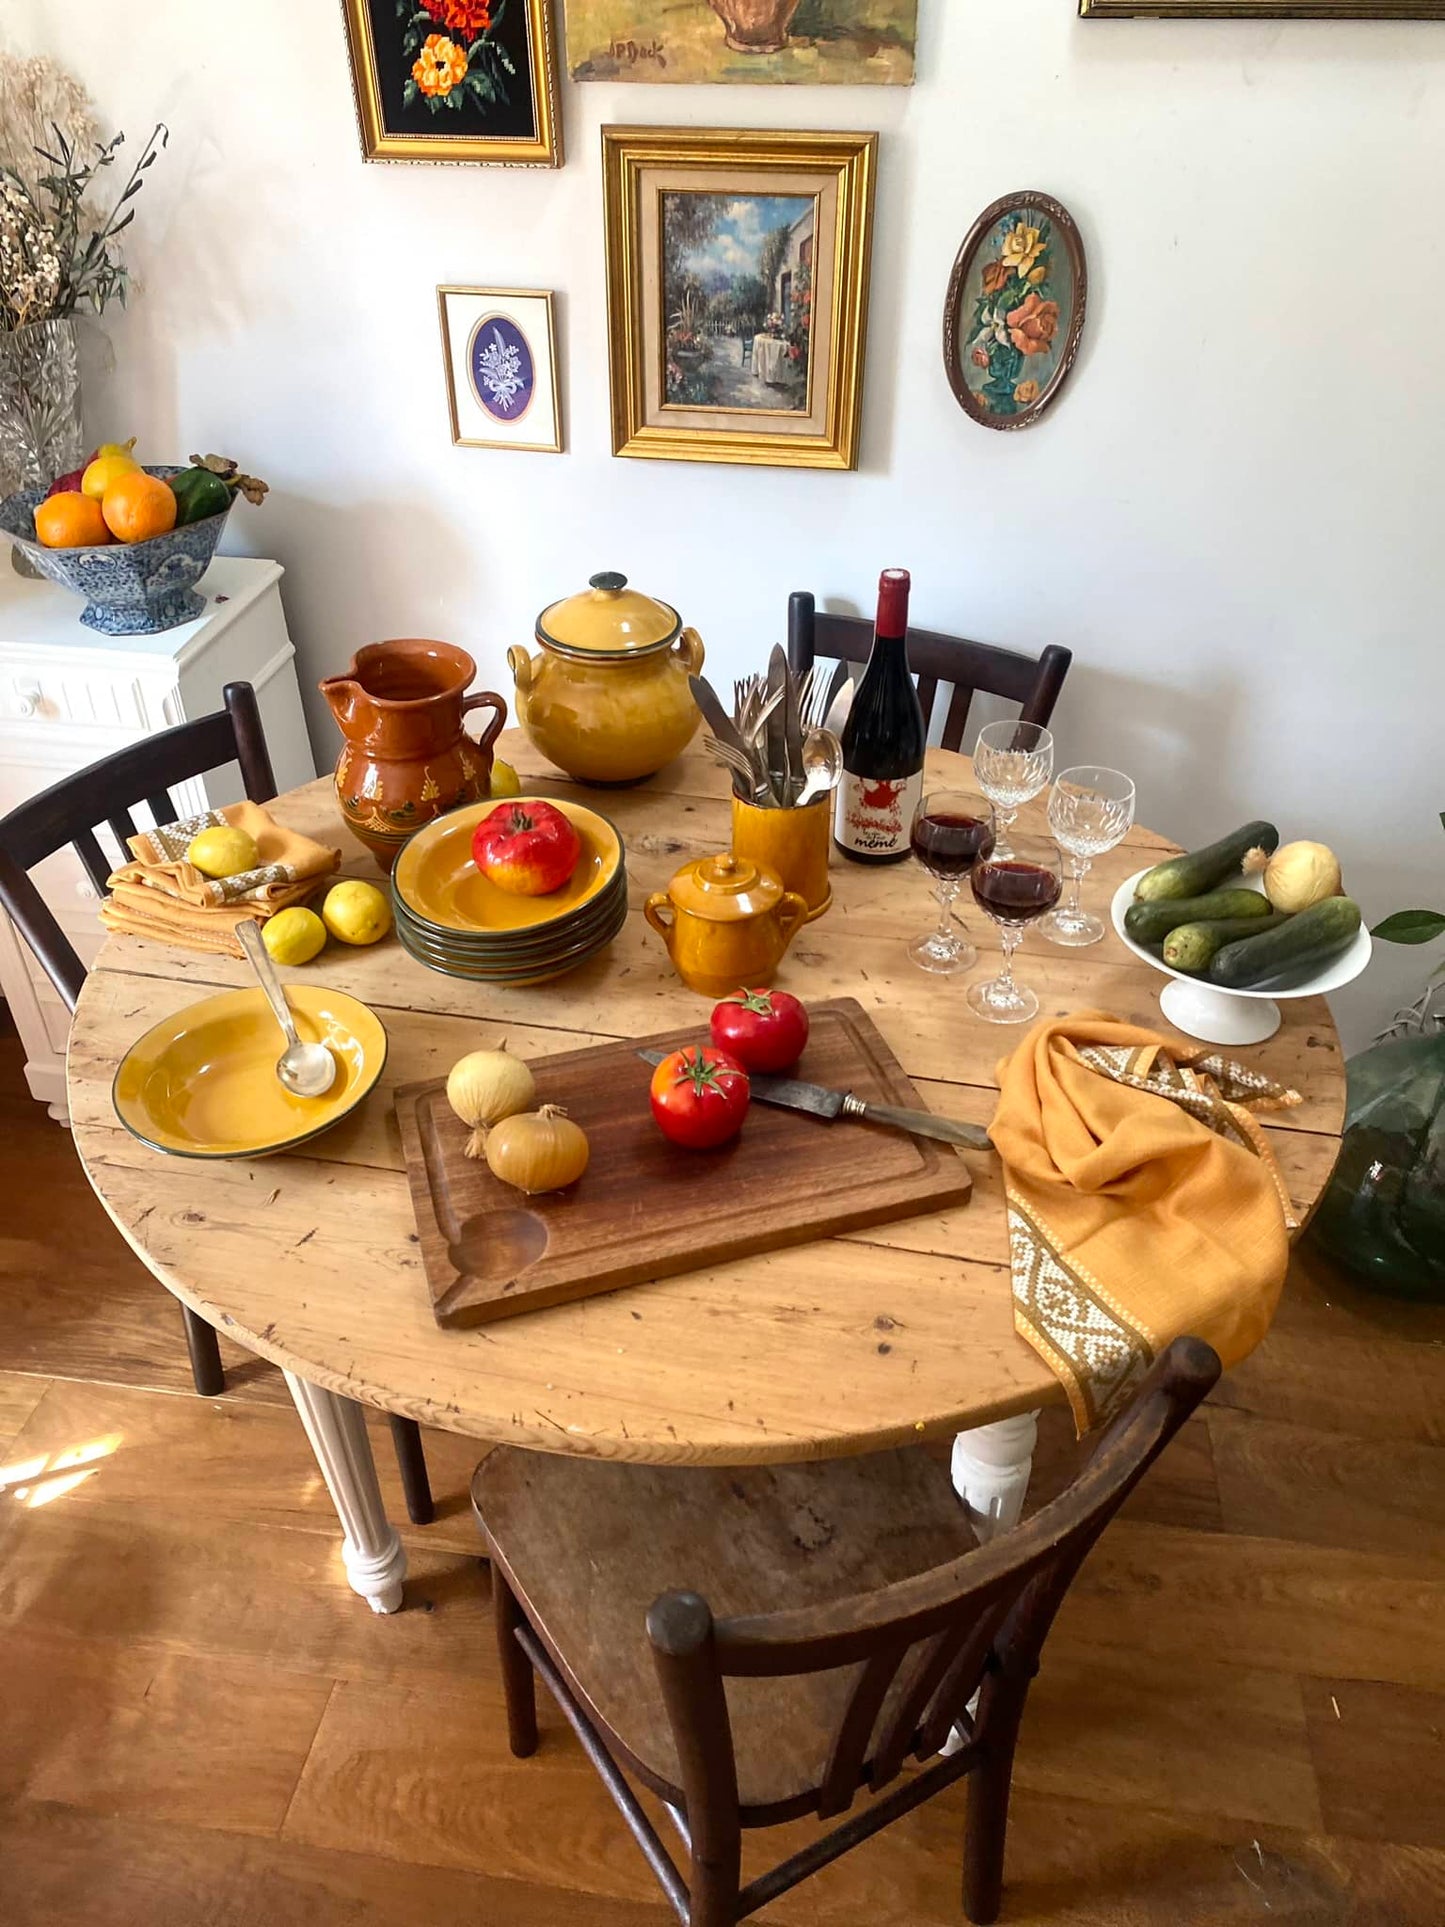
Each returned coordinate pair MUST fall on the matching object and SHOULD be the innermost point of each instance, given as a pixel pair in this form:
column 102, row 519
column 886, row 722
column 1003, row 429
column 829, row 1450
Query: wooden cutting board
column 648, row 1209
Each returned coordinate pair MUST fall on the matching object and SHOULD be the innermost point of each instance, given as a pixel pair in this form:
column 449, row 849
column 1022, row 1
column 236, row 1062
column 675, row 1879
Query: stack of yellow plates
column 453, row 919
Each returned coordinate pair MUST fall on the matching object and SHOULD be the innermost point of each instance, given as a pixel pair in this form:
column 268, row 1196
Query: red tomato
column 700, row 1097
column 526, row 847
column 765, row 1030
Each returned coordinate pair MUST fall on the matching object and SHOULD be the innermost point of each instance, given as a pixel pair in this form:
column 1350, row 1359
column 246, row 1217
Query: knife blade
column 775, row 730
column 792, row 735
column 716, row 716
column 818, row 1101
column 838, row 709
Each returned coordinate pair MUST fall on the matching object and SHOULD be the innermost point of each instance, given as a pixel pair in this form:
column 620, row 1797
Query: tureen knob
column 610, row 583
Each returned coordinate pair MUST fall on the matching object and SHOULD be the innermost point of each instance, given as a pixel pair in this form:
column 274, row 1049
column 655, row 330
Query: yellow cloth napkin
column 1144, row 1202
column 161, row 895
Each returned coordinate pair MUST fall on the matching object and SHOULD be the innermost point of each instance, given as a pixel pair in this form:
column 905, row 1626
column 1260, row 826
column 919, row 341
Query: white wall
column 1232, row 516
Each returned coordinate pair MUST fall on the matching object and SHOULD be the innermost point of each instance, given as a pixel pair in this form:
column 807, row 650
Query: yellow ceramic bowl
column 437, row 881
column 203, row 1084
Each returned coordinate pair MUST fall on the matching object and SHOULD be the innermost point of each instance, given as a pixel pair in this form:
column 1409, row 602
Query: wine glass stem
column 1010, row 940
column 1078, row 870
column 1005, row 821
column 946, row 894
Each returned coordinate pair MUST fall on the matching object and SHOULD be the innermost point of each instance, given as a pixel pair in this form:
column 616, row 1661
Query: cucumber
column 1152, row 922
column 1191, row 946
column 1301, row 946
column 1201, row 870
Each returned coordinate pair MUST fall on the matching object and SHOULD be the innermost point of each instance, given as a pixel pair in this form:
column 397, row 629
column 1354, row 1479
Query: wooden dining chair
column 1034, row 682
column 67, row 814
column 760, row 1645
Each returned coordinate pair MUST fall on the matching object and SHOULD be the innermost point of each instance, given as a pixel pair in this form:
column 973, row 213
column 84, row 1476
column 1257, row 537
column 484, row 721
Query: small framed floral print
column 455, row 80
column 499, row 348
column 1014, row 314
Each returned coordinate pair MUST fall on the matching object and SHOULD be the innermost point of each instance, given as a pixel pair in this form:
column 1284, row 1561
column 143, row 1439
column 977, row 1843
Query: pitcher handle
column 792, row 915
column 487, row 700
column 689, row 651
column 664, row 926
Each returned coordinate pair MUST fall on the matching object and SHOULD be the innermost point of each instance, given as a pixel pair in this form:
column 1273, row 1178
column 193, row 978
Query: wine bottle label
column 874, row 815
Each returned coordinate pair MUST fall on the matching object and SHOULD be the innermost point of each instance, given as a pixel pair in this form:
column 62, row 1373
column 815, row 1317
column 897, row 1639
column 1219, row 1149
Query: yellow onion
column 1298, row 875
column 537, row 1150
column 486, row 1087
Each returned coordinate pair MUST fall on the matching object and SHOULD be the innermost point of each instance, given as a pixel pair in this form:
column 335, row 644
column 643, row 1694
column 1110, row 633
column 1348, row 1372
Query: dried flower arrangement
column 57, row 252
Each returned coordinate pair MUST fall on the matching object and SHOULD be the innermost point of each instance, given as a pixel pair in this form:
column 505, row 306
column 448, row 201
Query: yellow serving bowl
column 203, row 1084
column 437, row 881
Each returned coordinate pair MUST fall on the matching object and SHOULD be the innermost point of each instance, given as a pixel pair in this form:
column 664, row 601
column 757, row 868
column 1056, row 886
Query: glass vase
column 1383, row 1215
column 39, row 405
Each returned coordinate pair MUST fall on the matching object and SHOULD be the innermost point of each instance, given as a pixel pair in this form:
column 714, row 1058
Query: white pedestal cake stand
column 1218, row 1016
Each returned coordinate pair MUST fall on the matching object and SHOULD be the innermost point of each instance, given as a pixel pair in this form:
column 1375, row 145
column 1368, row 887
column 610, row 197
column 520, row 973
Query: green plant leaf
column 409, row 94
column 1411, row 926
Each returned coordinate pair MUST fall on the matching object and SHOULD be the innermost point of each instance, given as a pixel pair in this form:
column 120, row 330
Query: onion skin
column 1300, row 875
column 537, row 1151
column 486, row 1086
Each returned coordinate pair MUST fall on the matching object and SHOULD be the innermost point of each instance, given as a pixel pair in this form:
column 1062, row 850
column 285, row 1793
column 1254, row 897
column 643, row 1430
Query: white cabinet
column 69, row 697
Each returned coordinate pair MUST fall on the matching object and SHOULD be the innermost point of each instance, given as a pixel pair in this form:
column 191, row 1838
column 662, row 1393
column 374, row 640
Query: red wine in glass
column 948, row 843
column 1015, row 892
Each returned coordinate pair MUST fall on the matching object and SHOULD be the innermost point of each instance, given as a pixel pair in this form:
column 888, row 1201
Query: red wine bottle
column 883, row 742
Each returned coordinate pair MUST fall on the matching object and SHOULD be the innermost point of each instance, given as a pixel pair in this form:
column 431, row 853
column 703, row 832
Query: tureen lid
column 725, row 888
column 608, row 619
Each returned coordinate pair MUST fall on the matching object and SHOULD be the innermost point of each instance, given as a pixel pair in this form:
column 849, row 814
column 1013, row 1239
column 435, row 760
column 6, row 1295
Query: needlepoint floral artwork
column 499, row 355
column 1015, row 310
column 454, row 79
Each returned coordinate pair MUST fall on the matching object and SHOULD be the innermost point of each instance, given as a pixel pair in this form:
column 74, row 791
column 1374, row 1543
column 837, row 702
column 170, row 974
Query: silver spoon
column 309, row 1070
column 822, row 765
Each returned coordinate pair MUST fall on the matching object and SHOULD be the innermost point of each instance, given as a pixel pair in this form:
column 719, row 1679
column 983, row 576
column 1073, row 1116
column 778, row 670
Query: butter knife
column 775, row 730
column 818, row 1101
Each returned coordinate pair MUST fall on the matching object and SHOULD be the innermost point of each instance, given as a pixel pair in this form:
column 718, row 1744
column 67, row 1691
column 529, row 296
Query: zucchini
column 1152, row 922
column 1301, row 946
column 1201, row 870
column 1191, row 946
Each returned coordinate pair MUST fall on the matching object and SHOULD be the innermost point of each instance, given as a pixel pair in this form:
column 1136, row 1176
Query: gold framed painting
column 455, row 80
column 737, row 293
column 499, row 349
column 792, row 42
column 1263, row 9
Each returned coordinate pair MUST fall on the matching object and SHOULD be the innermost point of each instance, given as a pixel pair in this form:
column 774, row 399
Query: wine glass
column 1013, row 890
column 1091, row 810
column 1012, row 764
column 951, row 830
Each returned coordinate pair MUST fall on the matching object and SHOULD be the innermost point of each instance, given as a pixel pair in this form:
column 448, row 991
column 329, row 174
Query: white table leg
column 991, row 1467
column 336, row 1427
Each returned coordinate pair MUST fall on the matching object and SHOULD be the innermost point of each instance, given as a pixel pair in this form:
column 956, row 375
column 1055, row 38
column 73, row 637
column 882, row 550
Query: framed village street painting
column 499, row 347
column 844, row 42
column 1263, row 9
column 737, row 293
column 1014, row 312
column 455, row 80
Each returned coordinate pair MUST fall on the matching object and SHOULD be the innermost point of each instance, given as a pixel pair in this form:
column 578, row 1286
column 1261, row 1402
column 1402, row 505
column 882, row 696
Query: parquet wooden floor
column 1241, row 1717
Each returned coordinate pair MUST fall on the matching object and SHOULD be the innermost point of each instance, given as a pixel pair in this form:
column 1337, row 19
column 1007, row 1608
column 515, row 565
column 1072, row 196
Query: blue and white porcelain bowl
column 130, row 588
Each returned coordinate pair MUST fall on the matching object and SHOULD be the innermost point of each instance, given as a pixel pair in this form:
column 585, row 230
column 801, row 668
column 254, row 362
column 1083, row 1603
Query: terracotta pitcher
column 406, row 758
column 756, row 26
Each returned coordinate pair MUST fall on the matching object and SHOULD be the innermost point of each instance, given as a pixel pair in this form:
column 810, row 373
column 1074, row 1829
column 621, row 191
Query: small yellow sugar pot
column 606, row 697
column 727, row 923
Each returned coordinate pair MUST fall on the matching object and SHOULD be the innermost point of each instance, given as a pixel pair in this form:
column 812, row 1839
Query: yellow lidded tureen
column 606, row 697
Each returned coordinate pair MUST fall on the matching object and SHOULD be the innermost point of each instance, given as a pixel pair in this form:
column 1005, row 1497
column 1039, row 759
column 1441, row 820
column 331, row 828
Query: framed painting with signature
column 455, row 80
column 737, row 293
column 797, row 42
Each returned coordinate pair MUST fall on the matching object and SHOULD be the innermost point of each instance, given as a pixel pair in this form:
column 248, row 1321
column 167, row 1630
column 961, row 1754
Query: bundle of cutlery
column 780, row 743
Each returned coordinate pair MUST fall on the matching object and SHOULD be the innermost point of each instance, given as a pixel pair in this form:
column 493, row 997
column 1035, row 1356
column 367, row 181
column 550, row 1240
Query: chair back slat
column 850, row 1745
column 162, row 808
column 97, row 865
column 1035, row 683
column 981, row 1619
column 122, row 828
column 106, row 792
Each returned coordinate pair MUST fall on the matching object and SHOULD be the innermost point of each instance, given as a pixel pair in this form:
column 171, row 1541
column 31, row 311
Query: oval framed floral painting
column 1015, row 310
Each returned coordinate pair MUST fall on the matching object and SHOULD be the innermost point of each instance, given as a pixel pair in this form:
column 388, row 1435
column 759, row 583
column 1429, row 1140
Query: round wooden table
column 900, row 1333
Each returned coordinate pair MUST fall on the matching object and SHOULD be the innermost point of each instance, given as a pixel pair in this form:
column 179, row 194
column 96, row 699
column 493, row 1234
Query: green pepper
column 198, row 494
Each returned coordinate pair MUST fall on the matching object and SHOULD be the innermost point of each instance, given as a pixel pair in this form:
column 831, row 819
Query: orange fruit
column 138, row 506
column 70, row 520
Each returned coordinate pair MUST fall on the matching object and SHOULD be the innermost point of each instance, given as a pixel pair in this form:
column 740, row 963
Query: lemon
column 223, row 852
column 356, row 912
column 293, row 936
column 505, row 780
column 104, row 470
